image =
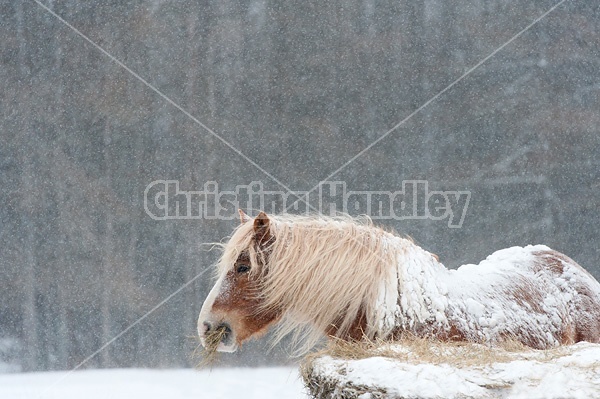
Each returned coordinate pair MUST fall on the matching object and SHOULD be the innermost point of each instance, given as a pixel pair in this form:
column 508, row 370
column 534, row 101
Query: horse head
column 234, row 305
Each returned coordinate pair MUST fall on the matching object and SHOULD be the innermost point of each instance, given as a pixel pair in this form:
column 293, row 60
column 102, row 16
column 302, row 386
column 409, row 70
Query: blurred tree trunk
column 108, row 255
column 30, row 314
column 131, row 254
column 31, row 353
column 62, row 266
column 62, row 276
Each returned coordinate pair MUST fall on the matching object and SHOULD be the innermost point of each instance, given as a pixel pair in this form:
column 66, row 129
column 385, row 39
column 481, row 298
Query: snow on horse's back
column 345, row 278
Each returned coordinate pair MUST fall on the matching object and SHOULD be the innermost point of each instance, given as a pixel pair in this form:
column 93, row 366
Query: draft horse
column 343, row 277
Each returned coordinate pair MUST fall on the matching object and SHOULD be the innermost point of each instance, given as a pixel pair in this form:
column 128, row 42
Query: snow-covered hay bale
column 418, row 368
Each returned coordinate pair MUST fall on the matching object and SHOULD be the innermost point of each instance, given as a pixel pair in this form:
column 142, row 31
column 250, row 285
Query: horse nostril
column 226, row 331
column 207, row 326
column 225, row 327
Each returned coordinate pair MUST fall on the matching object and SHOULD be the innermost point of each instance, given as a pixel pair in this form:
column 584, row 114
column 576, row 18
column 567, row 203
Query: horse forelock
column 239, row 243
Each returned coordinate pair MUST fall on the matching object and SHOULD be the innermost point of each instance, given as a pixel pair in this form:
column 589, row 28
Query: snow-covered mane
column 346, row 278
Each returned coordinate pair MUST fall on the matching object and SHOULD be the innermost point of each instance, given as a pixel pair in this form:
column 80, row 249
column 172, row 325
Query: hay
column 211, row 342
column 416, row 350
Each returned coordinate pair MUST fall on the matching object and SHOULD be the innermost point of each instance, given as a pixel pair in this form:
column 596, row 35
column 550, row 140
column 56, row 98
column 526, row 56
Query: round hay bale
column 420, row 369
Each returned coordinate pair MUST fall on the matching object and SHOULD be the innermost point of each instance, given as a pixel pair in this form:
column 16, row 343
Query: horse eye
column 243, row 268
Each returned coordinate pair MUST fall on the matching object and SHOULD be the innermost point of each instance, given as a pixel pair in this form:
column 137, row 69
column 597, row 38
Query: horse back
column 533, row 294
column 580, row 290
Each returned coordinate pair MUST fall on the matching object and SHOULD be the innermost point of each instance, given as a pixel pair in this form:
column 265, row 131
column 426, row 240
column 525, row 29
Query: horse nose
column 223, row 331
column 218, row 335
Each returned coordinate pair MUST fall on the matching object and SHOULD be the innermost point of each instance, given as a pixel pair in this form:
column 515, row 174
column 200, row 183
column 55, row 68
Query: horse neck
column 422, row 289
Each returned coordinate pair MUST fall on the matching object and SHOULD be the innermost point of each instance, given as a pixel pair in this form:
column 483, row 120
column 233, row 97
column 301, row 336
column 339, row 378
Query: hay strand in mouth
column 212, row 339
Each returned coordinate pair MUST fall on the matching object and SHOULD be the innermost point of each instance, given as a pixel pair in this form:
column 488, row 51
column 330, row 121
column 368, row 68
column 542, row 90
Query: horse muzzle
column 209, row 330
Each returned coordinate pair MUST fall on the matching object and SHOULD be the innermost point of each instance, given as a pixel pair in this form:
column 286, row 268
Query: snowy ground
column 567, row 372
column 226, row 383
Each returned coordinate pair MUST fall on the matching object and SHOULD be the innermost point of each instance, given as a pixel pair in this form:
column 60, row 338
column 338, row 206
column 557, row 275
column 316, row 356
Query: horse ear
column 261, row 227
column 243, row 217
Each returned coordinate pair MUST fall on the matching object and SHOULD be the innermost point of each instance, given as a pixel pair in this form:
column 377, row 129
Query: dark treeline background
column 299, row 87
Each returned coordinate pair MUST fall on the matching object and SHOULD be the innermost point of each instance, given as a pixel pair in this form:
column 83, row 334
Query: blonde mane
column 347, row 255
